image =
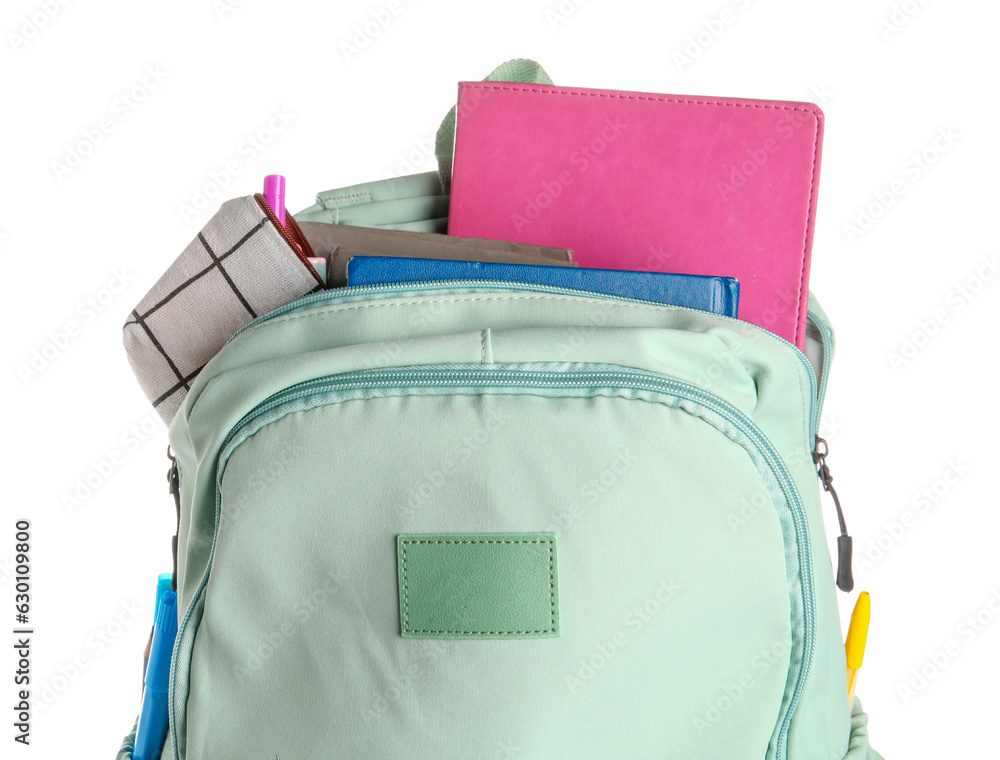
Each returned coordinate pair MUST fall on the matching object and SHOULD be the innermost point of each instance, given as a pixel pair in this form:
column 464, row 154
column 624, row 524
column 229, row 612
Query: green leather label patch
column 478, row 585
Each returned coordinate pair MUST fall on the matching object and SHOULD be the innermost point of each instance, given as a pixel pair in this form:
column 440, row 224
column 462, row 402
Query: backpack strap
column 515, row 70
column 416, row 202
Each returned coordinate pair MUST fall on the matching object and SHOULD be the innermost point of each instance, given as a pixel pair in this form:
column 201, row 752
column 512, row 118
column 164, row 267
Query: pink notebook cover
column 630, row 180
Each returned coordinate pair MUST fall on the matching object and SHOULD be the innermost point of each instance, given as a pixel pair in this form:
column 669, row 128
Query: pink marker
column 274, row 194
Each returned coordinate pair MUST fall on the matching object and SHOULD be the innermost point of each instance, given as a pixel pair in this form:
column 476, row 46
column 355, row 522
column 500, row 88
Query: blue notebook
column 719, row 295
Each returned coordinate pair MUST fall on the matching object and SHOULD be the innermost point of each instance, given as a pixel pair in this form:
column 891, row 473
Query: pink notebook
column 628, row 180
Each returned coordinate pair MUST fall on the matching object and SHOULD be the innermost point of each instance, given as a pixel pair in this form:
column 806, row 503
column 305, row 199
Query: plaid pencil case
column 242, row 264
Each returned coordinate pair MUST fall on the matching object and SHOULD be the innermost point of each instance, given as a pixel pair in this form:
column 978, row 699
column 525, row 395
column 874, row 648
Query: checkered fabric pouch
column 241, row 265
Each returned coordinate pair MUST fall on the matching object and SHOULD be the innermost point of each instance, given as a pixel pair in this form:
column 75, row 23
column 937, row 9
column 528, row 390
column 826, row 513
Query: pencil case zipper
column 292, row 234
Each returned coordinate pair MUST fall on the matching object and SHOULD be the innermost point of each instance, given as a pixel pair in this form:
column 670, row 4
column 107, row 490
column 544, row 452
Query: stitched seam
column 800, row 323
column 552, row 588
column 322, row 314
column 689, row 101
column 341, row 198
column 406, row 598
column 482, row 348
column 623, row 96
column 806, row 416
column 552, row 584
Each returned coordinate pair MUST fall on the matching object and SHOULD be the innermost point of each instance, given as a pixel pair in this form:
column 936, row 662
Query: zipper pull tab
column 845, row 573
column 174, row 486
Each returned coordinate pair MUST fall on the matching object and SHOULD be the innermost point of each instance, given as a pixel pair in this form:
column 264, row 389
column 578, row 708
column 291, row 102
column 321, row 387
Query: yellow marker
column 857, row 636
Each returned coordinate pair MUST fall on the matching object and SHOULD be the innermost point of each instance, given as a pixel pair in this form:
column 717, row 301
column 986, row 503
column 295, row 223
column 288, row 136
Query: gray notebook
column 338, row 243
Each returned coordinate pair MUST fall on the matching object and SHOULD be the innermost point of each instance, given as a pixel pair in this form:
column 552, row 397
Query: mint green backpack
column 483, row 520
column 488, row 520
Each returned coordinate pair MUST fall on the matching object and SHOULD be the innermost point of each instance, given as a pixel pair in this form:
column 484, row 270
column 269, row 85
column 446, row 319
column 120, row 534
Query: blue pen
column 163, row 583
column 152, row 731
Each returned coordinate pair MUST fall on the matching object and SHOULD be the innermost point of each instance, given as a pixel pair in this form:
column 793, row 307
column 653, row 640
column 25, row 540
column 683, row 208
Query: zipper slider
column 845, row 573
column 174, row 486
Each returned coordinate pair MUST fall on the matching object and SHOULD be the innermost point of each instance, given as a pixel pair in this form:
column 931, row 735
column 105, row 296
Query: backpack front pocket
column 685, row 610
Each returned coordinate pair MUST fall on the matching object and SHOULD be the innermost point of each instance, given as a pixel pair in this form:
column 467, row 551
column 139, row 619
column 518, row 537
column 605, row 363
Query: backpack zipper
column 845, row 571
column 363, row 292
column 517, row 378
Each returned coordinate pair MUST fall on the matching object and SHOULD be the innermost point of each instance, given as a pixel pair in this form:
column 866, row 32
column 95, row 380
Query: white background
column 891, row 76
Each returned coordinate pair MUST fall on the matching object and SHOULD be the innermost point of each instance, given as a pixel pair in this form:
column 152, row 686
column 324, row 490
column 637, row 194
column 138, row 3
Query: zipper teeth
column 297, row 242
column 540, row 378
column 356, row 291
